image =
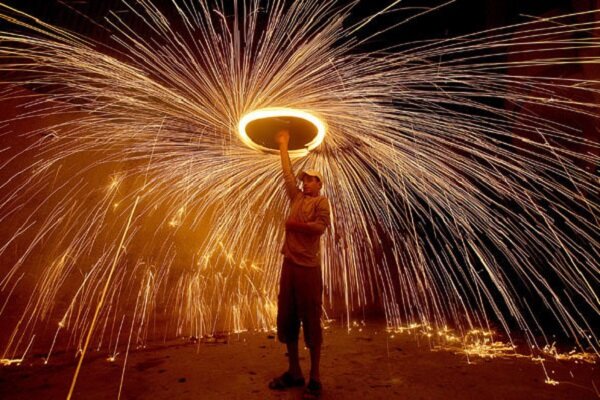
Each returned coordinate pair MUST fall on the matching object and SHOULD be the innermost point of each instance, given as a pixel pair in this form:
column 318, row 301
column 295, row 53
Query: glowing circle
column 258, row 128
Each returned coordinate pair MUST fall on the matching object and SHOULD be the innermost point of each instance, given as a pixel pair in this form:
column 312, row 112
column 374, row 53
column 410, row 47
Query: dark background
column 460, row 17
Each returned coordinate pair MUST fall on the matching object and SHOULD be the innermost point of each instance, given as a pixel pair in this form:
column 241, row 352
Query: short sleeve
column 323, row 213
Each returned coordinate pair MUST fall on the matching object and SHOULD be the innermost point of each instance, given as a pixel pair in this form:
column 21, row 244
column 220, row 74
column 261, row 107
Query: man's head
column 312, row 182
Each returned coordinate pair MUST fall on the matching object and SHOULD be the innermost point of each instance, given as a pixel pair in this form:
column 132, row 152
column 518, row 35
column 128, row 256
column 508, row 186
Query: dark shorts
column 300, row 300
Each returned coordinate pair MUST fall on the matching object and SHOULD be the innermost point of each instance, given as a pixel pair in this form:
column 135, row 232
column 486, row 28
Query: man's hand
column 283, row 137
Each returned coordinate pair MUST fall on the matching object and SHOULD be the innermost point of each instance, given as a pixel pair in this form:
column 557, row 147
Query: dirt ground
column 367, row 364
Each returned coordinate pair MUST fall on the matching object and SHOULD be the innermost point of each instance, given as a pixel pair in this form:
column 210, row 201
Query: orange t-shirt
column 305, row 248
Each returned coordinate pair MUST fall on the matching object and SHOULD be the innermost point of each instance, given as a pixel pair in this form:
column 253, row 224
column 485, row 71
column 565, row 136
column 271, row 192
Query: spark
column 483, row 343
column 6, row 361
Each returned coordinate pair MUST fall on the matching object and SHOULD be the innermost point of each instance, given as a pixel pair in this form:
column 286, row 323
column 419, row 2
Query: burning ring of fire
column 258, row 129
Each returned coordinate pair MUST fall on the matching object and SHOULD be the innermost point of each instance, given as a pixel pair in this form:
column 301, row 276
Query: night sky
column 457, row 18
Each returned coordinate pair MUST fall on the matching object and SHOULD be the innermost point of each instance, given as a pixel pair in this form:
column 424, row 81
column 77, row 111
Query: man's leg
column 294, row 359
column 288, row 323
column 314, row 387
column 293, row 376
column 310, row 308
column 288, row 327
column 315, row 359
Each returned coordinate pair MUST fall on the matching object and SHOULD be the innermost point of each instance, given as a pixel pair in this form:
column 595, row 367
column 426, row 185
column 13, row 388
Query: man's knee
column 288, row 328
column 313, row 332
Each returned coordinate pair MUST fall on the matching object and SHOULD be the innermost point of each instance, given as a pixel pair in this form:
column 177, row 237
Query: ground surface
column 369, row 364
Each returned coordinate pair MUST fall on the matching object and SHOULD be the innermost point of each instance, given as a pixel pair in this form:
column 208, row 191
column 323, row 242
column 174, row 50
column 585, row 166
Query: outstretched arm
column 283, row 139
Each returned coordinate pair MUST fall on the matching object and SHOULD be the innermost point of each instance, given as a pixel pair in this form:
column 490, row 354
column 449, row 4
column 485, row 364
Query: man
column 301, row 285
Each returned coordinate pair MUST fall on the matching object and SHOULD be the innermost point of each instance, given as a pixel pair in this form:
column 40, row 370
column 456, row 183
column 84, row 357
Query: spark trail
column 457, row 198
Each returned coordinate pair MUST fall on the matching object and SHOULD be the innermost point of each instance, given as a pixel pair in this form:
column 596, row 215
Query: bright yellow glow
column 282, row 112
column 8, row 361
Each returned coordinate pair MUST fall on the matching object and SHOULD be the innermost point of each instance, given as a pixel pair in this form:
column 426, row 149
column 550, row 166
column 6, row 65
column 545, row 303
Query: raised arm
column 283, row 139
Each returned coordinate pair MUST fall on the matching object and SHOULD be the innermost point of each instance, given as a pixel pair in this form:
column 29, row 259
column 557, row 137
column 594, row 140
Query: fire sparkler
column 309, row 131
column 448, row 204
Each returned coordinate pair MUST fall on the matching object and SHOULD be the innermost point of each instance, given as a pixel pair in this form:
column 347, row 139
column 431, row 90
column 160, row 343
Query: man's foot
column 286, row 381
column 312, row 390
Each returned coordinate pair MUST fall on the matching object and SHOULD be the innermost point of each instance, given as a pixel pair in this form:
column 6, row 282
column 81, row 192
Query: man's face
column 311, row 185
